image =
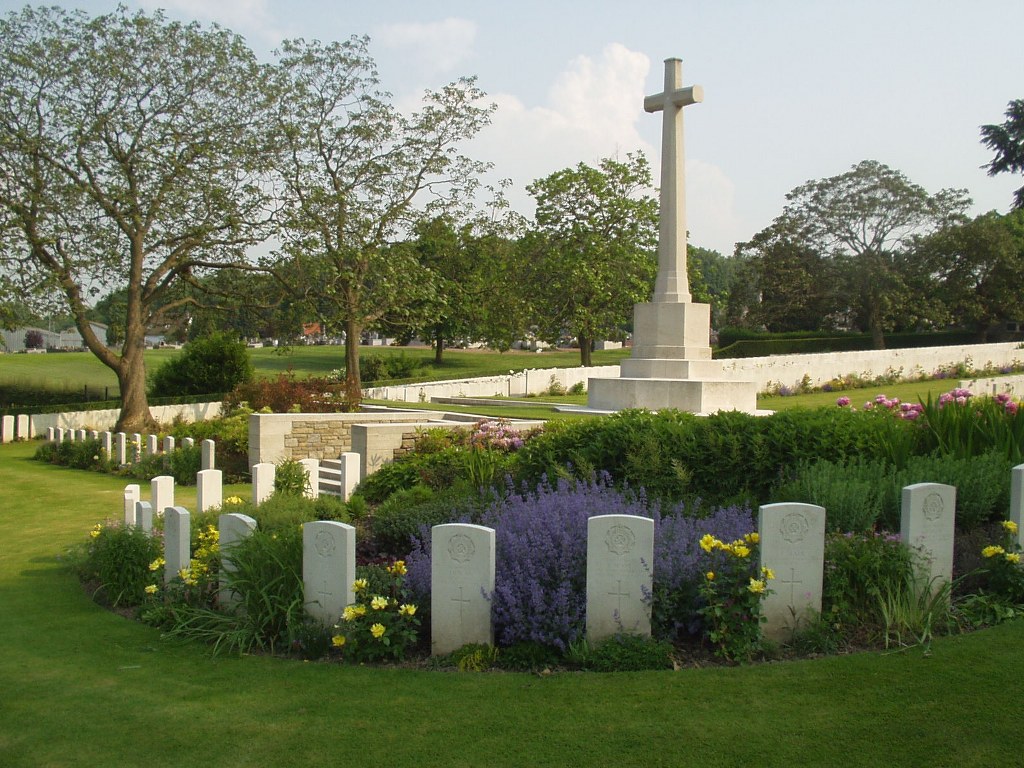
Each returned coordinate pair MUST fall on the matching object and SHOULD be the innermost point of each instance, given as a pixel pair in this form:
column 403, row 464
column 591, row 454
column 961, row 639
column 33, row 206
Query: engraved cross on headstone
column 462, row 604
column 324, row 594
column 619, row 594
column 672, row 284
column 792, row 581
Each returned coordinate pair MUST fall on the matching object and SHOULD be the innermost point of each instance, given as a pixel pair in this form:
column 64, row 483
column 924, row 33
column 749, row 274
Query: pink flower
column 842, row 402
column 1011, row 407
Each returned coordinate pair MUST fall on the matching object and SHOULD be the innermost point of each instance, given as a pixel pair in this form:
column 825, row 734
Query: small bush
column 209, row 365
column 853, row 494
column 183, row 464
column 374, row 368
column 623, row 653
column 119, row 561
column 85, row 454
column 287, row 394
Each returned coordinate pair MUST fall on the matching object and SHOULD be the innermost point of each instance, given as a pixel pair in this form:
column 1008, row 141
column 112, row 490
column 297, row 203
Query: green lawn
column 84, row 687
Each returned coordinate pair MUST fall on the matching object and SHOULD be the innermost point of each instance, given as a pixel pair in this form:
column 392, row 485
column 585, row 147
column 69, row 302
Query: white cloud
column 437, row 46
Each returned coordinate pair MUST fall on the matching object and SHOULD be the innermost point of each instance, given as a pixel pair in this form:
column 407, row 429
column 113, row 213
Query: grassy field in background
column 85, row 687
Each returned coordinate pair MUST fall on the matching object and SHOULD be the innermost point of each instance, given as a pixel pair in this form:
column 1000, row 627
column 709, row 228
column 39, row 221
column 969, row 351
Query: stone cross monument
column 671, row 365
column 673, row 283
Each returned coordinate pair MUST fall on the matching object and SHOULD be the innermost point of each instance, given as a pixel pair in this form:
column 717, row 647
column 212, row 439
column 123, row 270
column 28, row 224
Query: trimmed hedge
column 734, row 343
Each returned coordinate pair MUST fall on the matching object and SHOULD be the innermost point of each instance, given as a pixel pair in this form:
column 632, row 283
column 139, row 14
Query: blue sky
column 794, row 89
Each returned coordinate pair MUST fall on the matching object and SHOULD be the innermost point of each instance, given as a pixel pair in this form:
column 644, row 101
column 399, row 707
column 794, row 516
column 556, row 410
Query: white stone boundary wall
column 765, row 372
column 106, row 419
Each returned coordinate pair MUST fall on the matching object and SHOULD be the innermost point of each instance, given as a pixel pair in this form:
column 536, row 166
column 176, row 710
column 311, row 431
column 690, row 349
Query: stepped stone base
column 671, row 366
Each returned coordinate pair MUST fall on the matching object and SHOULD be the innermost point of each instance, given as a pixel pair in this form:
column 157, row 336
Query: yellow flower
column 710, row 575
column 156, row 564
column 353, row 612
column 379, row 603
column 740, row 550
column 767, row 572
column 756, row 586
column 377, row 630
column 709, row 542
column 397, row 568
column 407, row 610
column 359, row 585
column 992, row 551
column 1009, row 526
column 233, row 500
column 151, row 589
column 1013, row 557
column 338, row 641
column 752, row 538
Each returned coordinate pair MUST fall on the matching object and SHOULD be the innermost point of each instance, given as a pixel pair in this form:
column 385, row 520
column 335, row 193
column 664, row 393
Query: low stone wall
column 106, row 419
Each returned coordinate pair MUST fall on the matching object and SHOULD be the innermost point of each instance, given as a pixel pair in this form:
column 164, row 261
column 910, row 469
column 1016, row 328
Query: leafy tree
column 1007, row 141
column 592, row 253
column 357, row 175
column 790, row 288
column 979, row 267
column 127, row 159
column 864, row 220
column 33, row 339
column 710, row 276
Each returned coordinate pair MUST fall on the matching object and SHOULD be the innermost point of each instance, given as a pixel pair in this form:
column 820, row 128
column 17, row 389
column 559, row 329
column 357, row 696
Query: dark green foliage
column 183, row 464
column 209, row 365
column 287, row 394
column 396, row 476
column 290, row 478
column 721, row 459
column 528, row 657
column 982, row 485
column 406, row 512
column 116, row 561
column 375, row 368
column 284, row 512
column 624, row 653
column 859, row 568
column 736, row 342
column 85, row 454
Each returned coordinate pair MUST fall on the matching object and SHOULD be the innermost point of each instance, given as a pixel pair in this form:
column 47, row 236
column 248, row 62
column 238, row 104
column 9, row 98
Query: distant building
column 67, row 340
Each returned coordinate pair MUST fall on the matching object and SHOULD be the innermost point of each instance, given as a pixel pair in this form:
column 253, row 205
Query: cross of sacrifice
column 672, row 284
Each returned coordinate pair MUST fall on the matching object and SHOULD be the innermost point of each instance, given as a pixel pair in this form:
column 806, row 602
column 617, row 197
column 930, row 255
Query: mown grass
column 85, row 687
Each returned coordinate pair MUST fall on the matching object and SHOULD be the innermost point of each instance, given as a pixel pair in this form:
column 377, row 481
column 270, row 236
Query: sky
column 794, row 89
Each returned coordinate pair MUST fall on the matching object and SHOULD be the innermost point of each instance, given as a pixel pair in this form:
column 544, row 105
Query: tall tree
column 356, row 176
column 1007, row 141
column 865, row 219
column 979, row 268
column 593, row 248
column 127, row 160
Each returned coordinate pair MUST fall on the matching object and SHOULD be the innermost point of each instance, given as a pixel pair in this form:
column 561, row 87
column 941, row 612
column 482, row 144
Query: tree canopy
column 1007, row 141
column 592, row 254
column 128, row 160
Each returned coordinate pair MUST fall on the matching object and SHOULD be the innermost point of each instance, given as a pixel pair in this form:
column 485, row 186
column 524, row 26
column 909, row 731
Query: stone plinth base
column 667, row 331
column 691, row 395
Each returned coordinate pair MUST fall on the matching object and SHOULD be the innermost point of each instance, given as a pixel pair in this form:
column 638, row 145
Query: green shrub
column 982, row 485
column 374, row 368
column 859, row 568
column 209, row 365
column 118, row 561
column 291, row 478
column 85, row 454
column 853, row 493
column 183, row 464
column 622, row 653
column 398, row 519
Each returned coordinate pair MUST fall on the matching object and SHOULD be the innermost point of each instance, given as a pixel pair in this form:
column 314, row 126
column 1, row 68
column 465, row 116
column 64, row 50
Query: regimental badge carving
column 461, row 548
column 324, row 544
column 933, row 506
column 794, row 527
column 620, row 540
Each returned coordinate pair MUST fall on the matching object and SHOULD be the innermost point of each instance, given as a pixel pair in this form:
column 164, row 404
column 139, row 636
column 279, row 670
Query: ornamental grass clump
column 381, row 625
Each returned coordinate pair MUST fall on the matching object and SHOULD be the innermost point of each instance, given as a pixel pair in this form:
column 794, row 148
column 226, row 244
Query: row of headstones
column 124, row 449
column 337, row 478
column 620, row 549
column 15, row 428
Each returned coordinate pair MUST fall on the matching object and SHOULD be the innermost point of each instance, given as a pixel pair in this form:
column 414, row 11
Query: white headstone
column 1017, row 501
column 168, row 444
column 81, row 435
column 161, row 493
column 927, row 522
column 121, row 448
column 132, row 493
column 349, row 474
column 620, row 556
column 135, row 448
column 7, row 429
column 70, row 436
column 793, row 546
column 312, row 467
column 188, row 442
column 462, row 580
column 208, row 458
column 107, row 439
column 58, row 434
column 24, row 427
column 233, row 528
column 177, row 544
column 144, row 515
column 262, row 482
column 209, row 489
column 152, row 445
column 94, row 434
column 328, row 568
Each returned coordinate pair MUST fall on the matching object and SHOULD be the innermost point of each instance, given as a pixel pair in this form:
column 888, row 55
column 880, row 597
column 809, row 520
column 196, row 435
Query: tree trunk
column 131, row 375
column 438, row 345
column 353, row 382
column 585, row 345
